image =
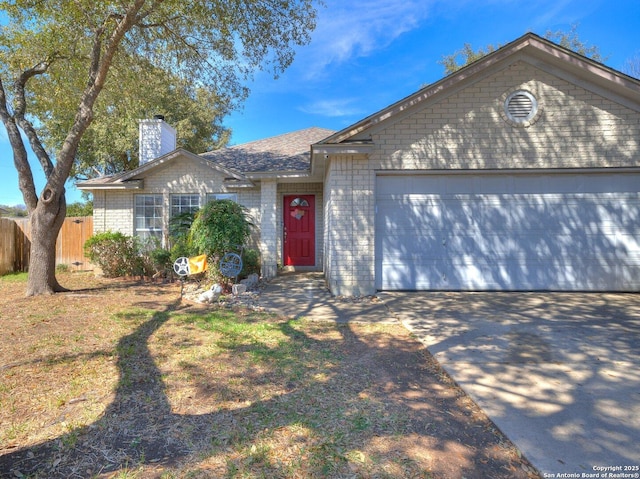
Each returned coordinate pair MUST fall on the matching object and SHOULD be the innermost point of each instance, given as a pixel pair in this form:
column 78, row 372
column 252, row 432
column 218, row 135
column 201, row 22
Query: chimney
column 157, row 138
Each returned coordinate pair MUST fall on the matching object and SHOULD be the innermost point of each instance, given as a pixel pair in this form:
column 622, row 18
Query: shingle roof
column 287, row 152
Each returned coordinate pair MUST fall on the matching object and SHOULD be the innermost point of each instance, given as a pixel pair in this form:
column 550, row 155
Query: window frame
column 154, row 223
column 175, row 210
column 225, row 196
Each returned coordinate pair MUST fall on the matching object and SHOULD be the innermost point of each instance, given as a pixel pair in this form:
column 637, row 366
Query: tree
column 570, row 40
column 80, row 209
column 632, row 67
column 467, row 54
column 17, row 211
column 110, row 145
column 69, row 50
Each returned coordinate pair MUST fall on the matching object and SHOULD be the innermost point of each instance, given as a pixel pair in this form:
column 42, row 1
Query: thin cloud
column 334, row 108
column 348, row 30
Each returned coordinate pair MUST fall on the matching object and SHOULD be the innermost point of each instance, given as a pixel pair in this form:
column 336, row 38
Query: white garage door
column 556, row 231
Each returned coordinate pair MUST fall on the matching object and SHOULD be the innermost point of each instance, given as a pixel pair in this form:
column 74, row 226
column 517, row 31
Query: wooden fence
column 15, row 244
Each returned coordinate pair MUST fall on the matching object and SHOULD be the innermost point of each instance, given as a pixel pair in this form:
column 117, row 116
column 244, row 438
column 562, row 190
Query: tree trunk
column 46, row 221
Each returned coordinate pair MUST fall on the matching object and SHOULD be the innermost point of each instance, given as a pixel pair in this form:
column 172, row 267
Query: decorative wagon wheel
column 231, row 265
column 181, row 266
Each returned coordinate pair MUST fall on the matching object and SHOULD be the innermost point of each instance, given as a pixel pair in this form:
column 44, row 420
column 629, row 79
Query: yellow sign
column 198, row 264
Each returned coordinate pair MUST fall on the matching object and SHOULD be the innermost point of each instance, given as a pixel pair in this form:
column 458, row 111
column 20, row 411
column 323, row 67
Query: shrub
column 250, row 262
column 182, row 248
column 219, row 226
column 161, row 259
column 179, row 226
column 115, row 253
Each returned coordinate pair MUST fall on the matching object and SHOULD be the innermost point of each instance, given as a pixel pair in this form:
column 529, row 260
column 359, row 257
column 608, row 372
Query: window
column 299, row 202
column 222, row 196
column 148, row 216
column 184, row 204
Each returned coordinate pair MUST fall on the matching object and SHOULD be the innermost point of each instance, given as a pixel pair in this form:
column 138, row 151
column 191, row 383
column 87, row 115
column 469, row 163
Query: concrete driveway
column 558, row 373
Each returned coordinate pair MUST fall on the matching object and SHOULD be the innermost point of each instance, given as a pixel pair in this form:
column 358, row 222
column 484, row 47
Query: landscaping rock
column 239, row 289
column 251, row 281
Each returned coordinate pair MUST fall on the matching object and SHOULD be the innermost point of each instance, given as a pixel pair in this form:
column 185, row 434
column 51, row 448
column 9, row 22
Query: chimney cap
column 158, row 117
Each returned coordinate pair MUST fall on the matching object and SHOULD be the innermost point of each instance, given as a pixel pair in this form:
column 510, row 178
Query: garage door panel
column 528, row 274
column 508, row 212
column 580, row 233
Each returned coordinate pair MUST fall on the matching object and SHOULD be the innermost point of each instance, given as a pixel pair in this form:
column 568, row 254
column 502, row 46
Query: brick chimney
column 157, row 138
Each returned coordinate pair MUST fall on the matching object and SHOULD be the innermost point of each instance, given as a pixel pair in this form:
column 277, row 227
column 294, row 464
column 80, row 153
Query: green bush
column 250, row 262
column 182, row 248
column 219, row 227
column 115, row 253
column 179, row 226
column 161, row 258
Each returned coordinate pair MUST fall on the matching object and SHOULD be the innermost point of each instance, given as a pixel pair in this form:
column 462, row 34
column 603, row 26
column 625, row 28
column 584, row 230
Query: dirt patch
column 122, row 379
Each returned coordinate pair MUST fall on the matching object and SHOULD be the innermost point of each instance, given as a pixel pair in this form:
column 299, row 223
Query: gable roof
column 282, row 153
column 542, row 53
column 286, row 153
column 133, row 179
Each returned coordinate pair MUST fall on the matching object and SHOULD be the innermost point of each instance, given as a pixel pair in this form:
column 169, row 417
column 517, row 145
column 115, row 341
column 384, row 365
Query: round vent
column 520, row 106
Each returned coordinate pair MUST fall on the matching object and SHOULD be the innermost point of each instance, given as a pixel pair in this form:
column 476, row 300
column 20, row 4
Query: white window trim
column 222, row 196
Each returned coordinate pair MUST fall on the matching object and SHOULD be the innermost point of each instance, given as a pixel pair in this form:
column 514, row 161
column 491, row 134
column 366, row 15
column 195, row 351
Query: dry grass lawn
column 119, row 379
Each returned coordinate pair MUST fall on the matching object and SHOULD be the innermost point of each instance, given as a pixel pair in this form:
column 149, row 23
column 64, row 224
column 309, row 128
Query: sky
column 367, row 54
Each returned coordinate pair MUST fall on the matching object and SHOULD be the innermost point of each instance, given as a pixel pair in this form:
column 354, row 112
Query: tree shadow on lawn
column 398, row 407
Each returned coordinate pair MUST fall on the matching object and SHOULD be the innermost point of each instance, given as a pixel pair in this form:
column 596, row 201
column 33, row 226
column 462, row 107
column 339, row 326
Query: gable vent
column 520, row 106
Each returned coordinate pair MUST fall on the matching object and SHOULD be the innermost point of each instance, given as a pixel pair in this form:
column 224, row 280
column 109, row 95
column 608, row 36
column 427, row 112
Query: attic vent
column 520, row 106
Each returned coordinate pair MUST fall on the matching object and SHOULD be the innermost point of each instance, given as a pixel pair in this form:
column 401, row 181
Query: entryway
column 299, row 235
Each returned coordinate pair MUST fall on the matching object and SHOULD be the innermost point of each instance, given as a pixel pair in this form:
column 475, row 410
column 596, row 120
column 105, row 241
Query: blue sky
column 367, row 54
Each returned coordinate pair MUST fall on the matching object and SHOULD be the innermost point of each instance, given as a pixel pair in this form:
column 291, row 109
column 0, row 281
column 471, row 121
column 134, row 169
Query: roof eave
column 536, row 45
column 235, row 183
column 258, row 175
column 117, row 185
column 341, row 148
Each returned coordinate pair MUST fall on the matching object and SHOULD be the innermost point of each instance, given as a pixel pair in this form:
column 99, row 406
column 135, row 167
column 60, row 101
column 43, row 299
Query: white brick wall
column 577, row 129
column 157, row 138
column 349, row 226
column 114, row 209
column 269, row 228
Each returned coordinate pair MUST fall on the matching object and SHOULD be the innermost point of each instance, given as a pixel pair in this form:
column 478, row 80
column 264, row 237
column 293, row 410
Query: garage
column 563, row 230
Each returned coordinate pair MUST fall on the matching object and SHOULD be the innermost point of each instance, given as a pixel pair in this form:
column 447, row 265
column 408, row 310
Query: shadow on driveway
column 559, row 373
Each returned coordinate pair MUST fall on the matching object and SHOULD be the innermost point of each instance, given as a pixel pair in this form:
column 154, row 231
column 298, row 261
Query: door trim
column 287, row 211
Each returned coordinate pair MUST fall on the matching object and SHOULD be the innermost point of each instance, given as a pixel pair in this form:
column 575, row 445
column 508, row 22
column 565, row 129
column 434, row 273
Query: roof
column 134, row 179
column 287, row 152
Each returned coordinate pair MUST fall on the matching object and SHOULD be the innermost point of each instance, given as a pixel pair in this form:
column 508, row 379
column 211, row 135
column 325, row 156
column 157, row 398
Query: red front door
column 299, row 233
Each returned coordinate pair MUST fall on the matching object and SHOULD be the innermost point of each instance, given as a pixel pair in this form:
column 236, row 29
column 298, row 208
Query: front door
column 299, row 235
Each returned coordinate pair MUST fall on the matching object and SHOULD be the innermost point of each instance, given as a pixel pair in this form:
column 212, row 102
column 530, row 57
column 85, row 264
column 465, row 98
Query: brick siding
column 466, row 130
